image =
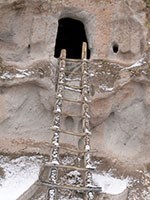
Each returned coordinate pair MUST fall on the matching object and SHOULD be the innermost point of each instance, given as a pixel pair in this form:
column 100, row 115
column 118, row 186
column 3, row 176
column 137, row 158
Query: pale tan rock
column 147, row 96
column 125, row 133
column 119, row 118
column 100, row 110
column 29, row 28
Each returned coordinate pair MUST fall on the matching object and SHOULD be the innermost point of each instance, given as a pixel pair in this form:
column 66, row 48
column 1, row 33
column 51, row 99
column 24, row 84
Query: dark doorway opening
column 70, row 36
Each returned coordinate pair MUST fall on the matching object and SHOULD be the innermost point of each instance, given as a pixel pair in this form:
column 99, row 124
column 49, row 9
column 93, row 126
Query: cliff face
column 120, row 91
column 29, row 28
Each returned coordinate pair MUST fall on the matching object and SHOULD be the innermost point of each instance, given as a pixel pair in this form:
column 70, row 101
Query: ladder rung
column 73, row 101
column 68, row 132
column 72, row 89
column 77, row 101
column 73, row 86
column 74, row 150
column 67, row 167
column 72, row 133
column 67, row 187
column 75, row 73
column 68, row 149
column 72, row 79
column 73, row 60
column 71, row 115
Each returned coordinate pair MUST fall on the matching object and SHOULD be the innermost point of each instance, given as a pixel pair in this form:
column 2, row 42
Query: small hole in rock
column 112, row 114
column 29, row 48
column 69, row 123
column 92, row 90
column 115, row 47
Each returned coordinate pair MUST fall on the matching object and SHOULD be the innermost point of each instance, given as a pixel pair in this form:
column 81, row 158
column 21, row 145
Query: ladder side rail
column 54, row 157
column 89, row 195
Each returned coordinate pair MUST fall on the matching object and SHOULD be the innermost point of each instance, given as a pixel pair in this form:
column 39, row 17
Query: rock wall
column 121, row 123
column 28, row 28
column 120, row 91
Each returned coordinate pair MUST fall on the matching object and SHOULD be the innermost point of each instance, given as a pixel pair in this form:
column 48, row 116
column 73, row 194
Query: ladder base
column 68, row 187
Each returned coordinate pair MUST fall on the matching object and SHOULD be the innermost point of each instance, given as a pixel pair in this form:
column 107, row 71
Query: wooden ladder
column 89, row 191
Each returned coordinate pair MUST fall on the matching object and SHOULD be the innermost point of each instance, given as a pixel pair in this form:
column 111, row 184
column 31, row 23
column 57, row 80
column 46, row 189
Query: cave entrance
column 70, row 36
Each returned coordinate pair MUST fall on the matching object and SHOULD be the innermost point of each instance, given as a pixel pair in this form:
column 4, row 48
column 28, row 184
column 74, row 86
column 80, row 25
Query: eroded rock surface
column 120, row 91
column 29, row 28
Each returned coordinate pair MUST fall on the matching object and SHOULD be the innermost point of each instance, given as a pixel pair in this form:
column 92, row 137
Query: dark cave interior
column 70, row 36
